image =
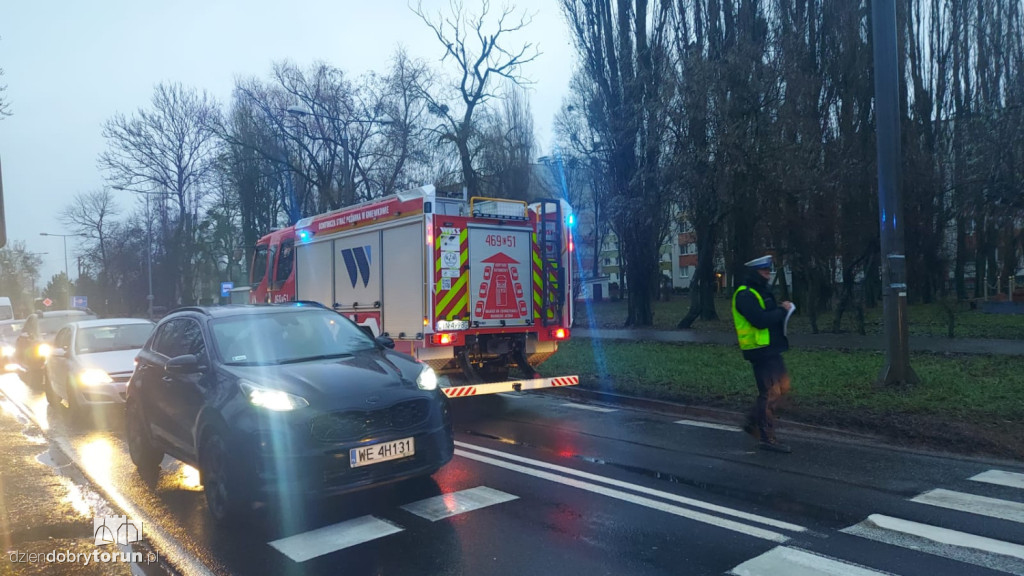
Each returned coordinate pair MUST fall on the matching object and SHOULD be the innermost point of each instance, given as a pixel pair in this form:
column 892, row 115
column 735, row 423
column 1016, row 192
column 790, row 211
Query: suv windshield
column 282, row 338
column 110, row 338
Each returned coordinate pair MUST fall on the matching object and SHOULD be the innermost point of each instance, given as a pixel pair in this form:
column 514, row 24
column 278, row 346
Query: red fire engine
column 471, row 288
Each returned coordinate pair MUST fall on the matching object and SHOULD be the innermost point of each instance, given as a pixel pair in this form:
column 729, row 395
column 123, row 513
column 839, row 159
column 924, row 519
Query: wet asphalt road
column 543, row 486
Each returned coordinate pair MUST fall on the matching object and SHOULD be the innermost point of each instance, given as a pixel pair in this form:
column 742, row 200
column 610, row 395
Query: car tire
column 225, row 497
column 52, row 398
column 144, row 454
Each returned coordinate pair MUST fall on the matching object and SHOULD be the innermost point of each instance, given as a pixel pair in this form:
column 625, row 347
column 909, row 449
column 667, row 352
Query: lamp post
column 149, row 245
column 67, row 276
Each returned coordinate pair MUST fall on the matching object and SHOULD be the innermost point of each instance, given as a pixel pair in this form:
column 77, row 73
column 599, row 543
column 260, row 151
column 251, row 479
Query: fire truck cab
column 471, row 287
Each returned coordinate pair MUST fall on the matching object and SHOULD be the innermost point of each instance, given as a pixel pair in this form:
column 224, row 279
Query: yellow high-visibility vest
column 750, row 337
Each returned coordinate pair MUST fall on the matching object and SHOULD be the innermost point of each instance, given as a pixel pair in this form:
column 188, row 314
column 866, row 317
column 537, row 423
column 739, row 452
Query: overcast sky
column 69, row 66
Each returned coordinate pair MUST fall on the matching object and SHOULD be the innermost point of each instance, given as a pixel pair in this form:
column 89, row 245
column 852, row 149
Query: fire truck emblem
column 357, row 261
column 500, row 292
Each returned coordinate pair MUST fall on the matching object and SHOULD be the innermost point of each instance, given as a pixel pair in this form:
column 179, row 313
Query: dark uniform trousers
column 772, row 383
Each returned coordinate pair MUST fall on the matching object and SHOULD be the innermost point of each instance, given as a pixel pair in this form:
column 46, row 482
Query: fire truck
column 472, row 287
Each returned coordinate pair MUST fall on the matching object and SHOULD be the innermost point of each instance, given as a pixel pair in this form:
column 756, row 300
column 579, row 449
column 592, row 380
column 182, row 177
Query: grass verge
column 924, row 319
column 972, row 404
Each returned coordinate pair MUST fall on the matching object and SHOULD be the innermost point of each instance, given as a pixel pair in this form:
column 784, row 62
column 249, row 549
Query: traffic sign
column 47, row 302
column 225, row 289
column 79, row 301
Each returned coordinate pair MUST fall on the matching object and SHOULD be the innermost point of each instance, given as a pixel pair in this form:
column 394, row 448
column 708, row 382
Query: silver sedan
column 92, row 361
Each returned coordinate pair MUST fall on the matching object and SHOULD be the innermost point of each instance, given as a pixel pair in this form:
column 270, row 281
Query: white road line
column 712, row 425
column 1011, row 479
column 961, row 546
column 642, row 489
column 168, row 546
column 653, row 504
column 447, row 505
column 796, row 562
column 588, row 407
column 993, row 507
column 309, row 545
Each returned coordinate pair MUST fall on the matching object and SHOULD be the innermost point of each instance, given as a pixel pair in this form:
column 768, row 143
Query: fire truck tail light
column 426, row 321
column 443, row 338
column 560, row 334
column 430, row 237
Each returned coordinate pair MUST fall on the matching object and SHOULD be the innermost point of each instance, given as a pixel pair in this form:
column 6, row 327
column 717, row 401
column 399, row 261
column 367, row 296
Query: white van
column 6, row 310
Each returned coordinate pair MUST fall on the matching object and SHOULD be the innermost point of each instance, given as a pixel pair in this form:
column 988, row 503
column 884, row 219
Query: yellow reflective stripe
column 459, row 284
column 459, row 307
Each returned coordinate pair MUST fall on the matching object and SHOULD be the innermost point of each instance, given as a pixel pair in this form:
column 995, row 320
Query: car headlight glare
column 7, row 351
column 44, row 350
column 94, row 377
column 270, row 399
column 427, row 380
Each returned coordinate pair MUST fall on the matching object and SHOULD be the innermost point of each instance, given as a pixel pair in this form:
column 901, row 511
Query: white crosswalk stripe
column 978, row 550
column 796, row 562
column 447, row 505
column 315, row 543
column 1001, row 478
column 993, row 507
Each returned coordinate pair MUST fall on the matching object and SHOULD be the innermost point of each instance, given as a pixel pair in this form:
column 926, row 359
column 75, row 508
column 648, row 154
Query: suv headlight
column 427, row 380
column 44, row 350
column 94, row 377
column 271, row 399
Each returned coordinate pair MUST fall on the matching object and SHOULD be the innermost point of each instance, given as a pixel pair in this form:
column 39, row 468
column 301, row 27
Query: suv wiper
column 249, row 363
column 317, row 357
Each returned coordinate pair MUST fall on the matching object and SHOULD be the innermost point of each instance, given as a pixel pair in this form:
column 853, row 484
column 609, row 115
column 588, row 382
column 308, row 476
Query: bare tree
column 168, row 148
column 91, row 214
column 507, row 149
column 480, row 59
column 5, row 105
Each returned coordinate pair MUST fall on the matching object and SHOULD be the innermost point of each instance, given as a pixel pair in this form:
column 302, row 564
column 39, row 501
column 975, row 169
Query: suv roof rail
column 313, row 303
column 198, row 309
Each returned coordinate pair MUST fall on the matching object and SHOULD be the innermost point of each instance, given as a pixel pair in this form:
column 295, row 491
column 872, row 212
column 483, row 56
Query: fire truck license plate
column 375, row 453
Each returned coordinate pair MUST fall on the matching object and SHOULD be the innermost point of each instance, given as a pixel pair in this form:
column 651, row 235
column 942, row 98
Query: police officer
column 760, row 328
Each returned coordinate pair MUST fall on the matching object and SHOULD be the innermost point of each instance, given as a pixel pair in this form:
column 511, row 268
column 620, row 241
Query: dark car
column 35, row 343
column 267, row 401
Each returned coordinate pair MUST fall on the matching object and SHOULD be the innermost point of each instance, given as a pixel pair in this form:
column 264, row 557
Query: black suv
column 277, row 401
column 36, row 341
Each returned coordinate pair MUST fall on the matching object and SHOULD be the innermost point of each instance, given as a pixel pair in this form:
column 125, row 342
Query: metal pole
column 67, row 275
column 149, row 259
column 887, row 118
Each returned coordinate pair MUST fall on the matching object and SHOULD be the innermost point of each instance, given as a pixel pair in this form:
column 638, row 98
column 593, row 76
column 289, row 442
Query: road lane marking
column 1011, row 479
column 637, row 488
column 447, row 505
column 993, row 507
column 961, row 546
column 711, row 425
column 796, row 562
column 632, row 498
column 169, row 547
column 588, row 407
column 315, row 543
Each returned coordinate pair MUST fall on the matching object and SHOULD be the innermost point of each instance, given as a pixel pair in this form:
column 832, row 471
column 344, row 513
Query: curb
column 729, row 417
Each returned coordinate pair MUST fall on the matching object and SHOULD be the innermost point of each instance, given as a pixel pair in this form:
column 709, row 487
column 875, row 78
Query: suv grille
column 354, row 424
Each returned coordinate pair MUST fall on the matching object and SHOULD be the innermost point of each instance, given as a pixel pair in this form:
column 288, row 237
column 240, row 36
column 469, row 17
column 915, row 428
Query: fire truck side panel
column 404, row 274
column 314, row 272
column 500, row 276
column 357, row 272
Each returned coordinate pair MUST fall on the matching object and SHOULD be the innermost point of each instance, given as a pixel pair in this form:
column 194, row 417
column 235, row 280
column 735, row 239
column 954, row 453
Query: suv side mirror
column 184, row 364
column 384, row 342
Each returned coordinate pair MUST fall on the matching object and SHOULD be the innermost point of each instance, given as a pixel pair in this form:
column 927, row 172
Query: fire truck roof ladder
column 551, row 252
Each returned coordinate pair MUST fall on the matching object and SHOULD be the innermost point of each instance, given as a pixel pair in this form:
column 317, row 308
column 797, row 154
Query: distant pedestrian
column 760, row 328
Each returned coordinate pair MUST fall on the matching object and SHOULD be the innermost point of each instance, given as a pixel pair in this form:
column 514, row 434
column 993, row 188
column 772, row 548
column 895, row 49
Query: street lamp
column 67, row 276
column 149, row 244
